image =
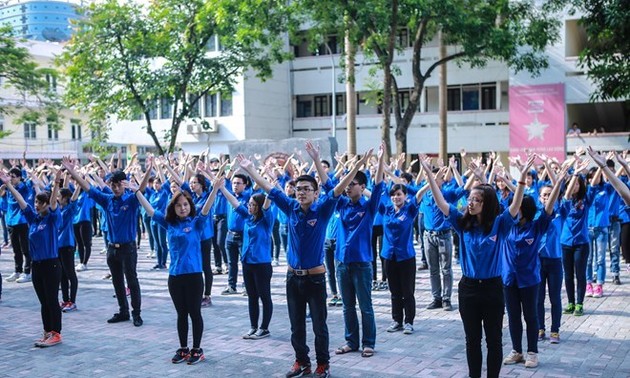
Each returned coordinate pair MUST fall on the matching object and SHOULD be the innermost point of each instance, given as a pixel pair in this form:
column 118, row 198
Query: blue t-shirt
column 236, row 222
column 42, row 233
column 480, row 253
column 14, row 214
column 433, row 218
column 66, row 231
column 121, row 214
column 184, row 242
column 256, row 236
column 550, row 246
column 598, row 213
column 354, row 237
column 398, row 231
column 575, row 220
column 521, row 265
column 199, row 201
column 307, row 230
column 84, row 208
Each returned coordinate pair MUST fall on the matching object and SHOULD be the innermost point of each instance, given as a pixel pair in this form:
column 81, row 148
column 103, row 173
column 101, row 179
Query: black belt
column 219, row 216
column 307, row 272
column 121, row 245
column 439, row 233
column 492, row 280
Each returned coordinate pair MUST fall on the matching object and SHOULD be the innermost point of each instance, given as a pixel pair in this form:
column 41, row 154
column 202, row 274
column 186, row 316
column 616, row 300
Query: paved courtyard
column 595, row 345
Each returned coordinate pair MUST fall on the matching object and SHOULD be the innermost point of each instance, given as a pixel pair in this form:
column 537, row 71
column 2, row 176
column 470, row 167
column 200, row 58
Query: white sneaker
column 81, row 267
column 513, row 358
column 103, row 251
column 13, row 277
column 24, row 278
column 532, row 360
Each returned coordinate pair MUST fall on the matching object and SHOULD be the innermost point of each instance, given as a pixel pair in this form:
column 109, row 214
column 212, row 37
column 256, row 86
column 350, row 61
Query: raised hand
column 597, row 158
column 312, row 151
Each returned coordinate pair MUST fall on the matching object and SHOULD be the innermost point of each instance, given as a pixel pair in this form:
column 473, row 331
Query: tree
column 125, row 57
column 515, row 32
column 21, row 75
column 605, row 58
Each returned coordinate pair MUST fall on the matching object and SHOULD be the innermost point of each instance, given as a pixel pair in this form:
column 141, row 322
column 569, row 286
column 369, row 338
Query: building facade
column 40, row 20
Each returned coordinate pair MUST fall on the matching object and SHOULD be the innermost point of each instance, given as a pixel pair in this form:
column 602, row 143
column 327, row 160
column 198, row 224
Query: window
column 304, row 108
column 76, row 129
column 403, row 100
column 30, row 131
column 489, row 97
column 402, row 38
column 341, row 105
column 53, row 132
column 453, row 99
column 210, row 105
column 166, row 108
column 194, row 108
column 470, row 98
column 153, row 109
column 1, row 123
column 226, row 105
column 321, row 106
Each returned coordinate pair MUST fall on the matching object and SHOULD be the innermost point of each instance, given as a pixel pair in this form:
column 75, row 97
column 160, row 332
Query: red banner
column 537, row 120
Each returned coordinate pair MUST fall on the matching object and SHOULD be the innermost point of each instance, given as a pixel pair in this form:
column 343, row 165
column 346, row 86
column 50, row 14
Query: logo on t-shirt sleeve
column 529, row 241
column 493, row 238
column 312, row 222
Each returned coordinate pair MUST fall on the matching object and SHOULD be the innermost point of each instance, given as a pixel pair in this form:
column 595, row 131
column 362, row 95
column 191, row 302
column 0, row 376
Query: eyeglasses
column 352, row 184
column 474, row 200
column 238, row 183
column 304, row 189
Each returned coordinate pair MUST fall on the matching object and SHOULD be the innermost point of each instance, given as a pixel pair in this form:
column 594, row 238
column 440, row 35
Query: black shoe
column 180, row 356
column 423, row 266
column 616, row 280
column 435, row 304
column 299, row 370
column 446, row 305
column 137, row 321
column 118, row 317
column 196, row 355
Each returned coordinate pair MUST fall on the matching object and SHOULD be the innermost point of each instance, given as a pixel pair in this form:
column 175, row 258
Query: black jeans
column 574, row 262
column 329, row 259
column 377, row 246
column 522, row 300
column 311, row 290
column 83, row 236
column 402, row 286
column 122, row 265
column 69, row 281
column 185, row 291
column 481, row 306
column 218, row 240
column 233, row 246
column 46, row 276
column 21, row 253
column 277, row 242
column 257, row 278
column 206, row 249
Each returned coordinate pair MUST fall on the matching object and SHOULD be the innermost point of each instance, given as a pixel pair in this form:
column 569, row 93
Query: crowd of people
column 516, row 239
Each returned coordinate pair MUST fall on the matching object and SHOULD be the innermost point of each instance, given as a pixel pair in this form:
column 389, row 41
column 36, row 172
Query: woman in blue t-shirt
column 256, row 258
column 184, row 229
column 44, row 220
column 482, row 229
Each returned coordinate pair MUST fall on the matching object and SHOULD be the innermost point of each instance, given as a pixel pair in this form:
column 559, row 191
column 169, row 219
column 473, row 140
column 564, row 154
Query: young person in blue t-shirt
column 255, row 257
column 184, row 229
column 482, row 229
column 43, row 221
column 66, row 242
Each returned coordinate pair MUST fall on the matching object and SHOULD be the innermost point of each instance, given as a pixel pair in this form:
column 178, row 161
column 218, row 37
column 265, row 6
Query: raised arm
column 18, row 197
column 75, row 175
column 345, row 181
column 520, row 188
column 314, row 154
column 380, row 164
column 555, row 192
column 251, row 170
column 55, row 190
column 435, row 189
column 452, row 164
column 619, row 186
column 218, row 182
column 229, row 196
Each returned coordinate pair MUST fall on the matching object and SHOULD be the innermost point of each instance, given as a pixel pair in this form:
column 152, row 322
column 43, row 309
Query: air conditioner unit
column 193, row 128
column 209, row 126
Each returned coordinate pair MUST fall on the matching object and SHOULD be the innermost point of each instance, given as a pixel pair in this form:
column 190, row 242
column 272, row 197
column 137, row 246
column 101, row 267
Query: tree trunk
column 151, row 133
column 387, row 104
column 443, row 151
column 351, row 97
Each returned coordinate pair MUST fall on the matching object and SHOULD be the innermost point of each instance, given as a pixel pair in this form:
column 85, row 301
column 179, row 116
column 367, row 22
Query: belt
column 239, row 233
column 219, row 216
column 483, row 281
column 120, row 245
column 306, row 272
column 439, row 233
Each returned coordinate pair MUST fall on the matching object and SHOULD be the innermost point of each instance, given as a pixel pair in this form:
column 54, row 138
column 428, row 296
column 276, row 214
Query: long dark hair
column 201, row 179
column 581, row 193
column 259, row 198
column 489, row 211
column 171, row 216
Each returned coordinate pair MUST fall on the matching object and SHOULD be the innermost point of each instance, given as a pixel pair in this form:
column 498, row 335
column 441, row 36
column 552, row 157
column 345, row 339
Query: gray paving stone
column 595, row 345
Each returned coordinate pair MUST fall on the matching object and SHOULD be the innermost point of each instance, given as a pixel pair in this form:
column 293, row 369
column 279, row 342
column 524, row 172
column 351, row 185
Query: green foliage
column 36, row 99
column 125, row 56
column 605, row 59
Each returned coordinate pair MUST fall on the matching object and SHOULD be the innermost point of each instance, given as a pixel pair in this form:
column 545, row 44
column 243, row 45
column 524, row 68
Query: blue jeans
column 551, row 275
column 599, row 242
column 355, row 281
column 523, row 300
column 574, row 263
column 614, row 232
column 233, row 245
column 161, row 246
column 301, row 290
column 147, row 225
